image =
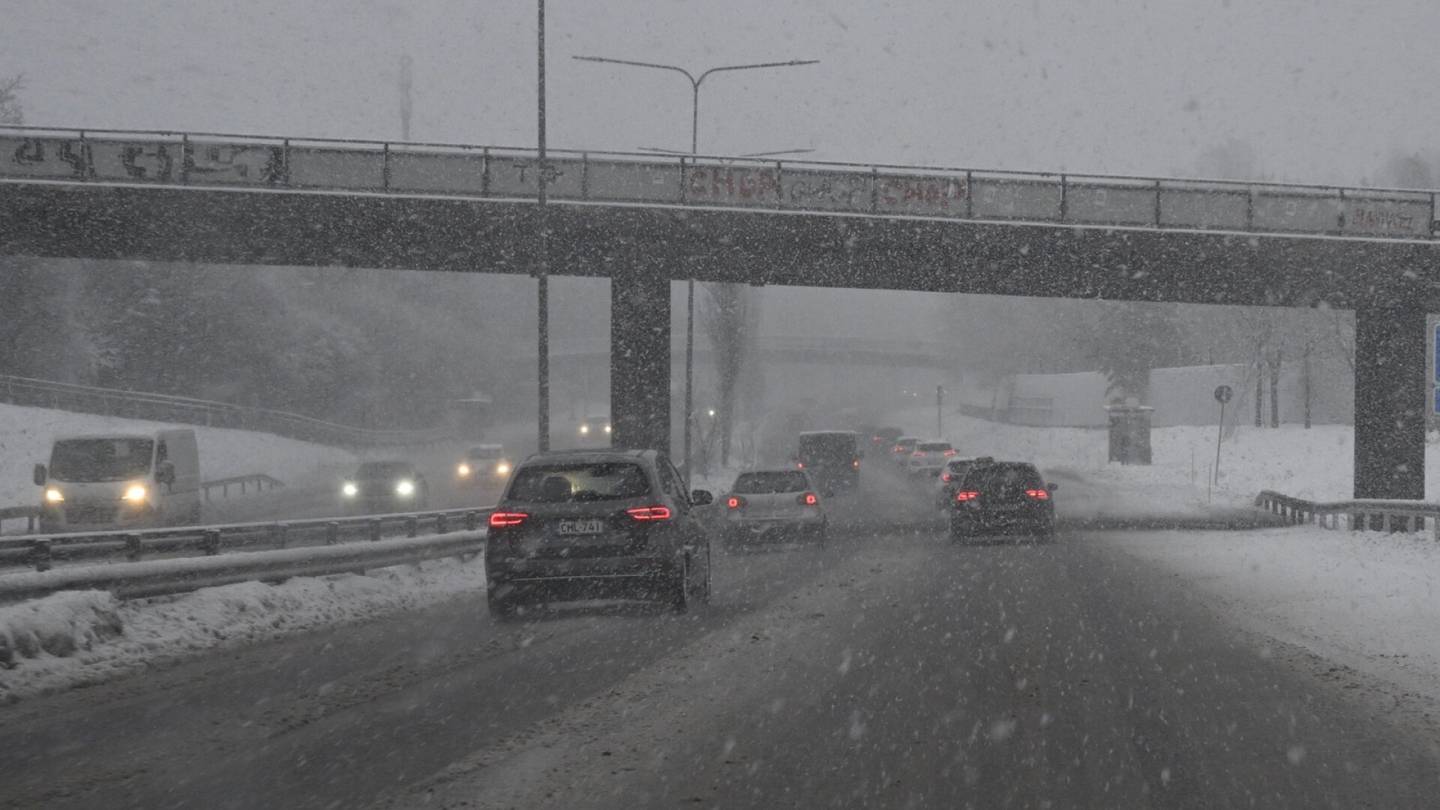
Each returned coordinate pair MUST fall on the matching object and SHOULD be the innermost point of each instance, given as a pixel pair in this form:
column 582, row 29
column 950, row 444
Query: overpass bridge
column 644, row 220
column 829, row 351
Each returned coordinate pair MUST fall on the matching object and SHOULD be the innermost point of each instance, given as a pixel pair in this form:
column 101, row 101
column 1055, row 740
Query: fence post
column 277, row 535
column 332, row 533
column 442, row 526
column 374, row 531
column 1385, row 522
column 133, row 547
column 212, row 542
column 472, row 522
column 412, row 526
column 40, row 555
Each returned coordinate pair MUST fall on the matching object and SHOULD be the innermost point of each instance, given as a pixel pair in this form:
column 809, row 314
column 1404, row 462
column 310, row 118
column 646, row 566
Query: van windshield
column 818, row 447
column 83, row 460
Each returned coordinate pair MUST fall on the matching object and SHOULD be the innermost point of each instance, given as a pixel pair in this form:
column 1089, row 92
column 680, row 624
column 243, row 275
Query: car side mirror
column 1052, row 487
column 165, row 472
column 701, row 497
column 40, row 475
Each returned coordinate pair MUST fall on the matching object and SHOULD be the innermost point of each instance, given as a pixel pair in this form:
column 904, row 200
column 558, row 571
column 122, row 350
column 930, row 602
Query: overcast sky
column 1324, row 90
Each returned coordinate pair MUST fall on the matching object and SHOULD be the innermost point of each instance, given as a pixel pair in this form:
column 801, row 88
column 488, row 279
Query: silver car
column 929, row 457
column 778, row 504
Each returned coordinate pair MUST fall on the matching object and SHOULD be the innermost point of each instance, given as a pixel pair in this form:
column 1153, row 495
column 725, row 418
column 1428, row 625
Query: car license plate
column 580, row 526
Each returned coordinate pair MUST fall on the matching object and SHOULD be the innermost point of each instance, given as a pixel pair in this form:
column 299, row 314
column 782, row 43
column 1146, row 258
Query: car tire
column 502, row 609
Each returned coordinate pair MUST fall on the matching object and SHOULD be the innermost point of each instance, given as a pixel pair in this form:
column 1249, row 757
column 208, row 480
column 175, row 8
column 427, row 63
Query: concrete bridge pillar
column 1390, row 394
column 640, row 360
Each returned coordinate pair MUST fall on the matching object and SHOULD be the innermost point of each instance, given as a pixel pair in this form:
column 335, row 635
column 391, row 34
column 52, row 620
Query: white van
column 98, row 483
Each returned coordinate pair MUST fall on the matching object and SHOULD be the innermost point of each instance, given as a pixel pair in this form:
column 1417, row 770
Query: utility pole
column 542, row 297
column 407, row 104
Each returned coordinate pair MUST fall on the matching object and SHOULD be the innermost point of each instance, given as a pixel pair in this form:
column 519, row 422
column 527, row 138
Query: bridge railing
column 190, row 411
column 1356, row 515
column 423, row 169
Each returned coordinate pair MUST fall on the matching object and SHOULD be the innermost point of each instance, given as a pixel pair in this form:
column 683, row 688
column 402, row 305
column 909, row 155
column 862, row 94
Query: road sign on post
column 1223, row 394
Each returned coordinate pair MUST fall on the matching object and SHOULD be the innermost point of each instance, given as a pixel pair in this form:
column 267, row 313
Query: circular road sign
column 1223, row 394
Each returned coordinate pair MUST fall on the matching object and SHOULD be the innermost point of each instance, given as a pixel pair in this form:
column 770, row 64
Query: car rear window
column 1003, row 478
column 484, row 452
column 934, row 447
column 580, row 482
column 762, row 483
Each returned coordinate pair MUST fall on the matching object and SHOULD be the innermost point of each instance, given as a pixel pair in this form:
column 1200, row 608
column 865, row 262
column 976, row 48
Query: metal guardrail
column 259, row 482
column 46, row 551
column 161, row 577
column 208, row 413
column 29, row 514
column 221, row 160
column 1358, row 515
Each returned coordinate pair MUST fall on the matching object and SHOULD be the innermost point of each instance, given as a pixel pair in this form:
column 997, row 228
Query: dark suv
column 1002, row 497
column 597, row 524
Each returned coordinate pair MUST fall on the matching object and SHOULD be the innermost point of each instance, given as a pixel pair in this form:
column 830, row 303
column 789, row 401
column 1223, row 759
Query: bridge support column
column 1390, row 394
column 640, row 360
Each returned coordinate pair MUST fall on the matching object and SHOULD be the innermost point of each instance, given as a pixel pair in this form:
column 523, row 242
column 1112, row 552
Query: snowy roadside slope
column 1365, row 600
column 26, row 434
column 1317, row 463
column 75, row 638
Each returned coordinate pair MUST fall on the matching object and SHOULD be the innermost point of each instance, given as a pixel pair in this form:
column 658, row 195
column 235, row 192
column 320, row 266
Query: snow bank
column 26, row 435
column 1363, row 599
column 111, row 639
column 61, row 624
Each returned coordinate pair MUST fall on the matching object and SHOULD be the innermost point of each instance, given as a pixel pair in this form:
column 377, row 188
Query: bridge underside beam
column 640, row 360
column 1390, row 395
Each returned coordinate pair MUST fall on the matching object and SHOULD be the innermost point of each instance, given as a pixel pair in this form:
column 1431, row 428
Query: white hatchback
column 778, row 504
column 929, row 457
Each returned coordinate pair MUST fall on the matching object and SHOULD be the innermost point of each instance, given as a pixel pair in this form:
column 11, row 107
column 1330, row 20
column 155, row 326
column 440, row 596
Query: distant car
column 950, row 478
column 929, row 457
column 903, row 447
column 768, row 505
column 1003, row 497
column 482, row 464
column 595, row 428
column 832, row 457
column 591, row 524
column 378, row 487
column 884, row 437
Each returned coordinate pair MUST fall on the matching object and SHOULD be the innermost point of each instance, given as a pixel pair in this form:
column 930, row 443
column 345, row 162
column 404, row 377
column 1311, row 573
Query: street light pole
column 542, row 277
column 695, row 82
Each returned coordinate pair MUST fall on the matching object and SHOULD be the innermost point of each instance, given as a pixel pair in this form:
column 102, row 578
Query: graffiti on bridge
column 147, row 162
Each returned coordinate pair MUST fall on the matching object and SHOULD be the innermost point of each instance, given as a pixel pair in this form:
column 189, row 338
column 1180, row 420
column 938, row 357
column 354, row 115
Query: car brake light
column 649, row 512
column 966, row 495
column 918, row 454
column 855, row 464
column 799, row 465
column 1038, row 494
column 500, row 520
column 945, row 477
column 899, row 448
column 808, row 499
column 734, row 503
column 952, row 451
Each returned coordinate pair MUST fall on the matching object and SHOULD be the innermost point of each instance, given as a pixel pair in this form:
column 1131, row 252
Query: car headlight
column 53, row 495
column 405, row 488
column 607, row 428
column 463, row 470
column 134, row 493
column 349, row 490
column 503, row 468
column 584, row 430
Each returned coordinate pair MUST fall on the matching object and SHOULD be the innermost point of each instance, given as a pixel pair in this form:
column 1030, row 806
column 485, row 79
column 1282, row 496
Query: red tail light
column 952, row 451
column 1038, row 494
column 500, row 520
column 966, row 495
column 808, row 499
column 649, row 512
column 855, row 464
column 734, row 503
column 945, row 477
column 899, row 448
column 918, row 454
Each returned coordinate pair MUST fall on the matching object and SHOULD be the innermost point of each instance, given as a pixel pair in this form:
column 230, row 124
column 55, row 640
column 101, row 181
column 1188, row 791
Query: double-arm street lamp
column 695, row 82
